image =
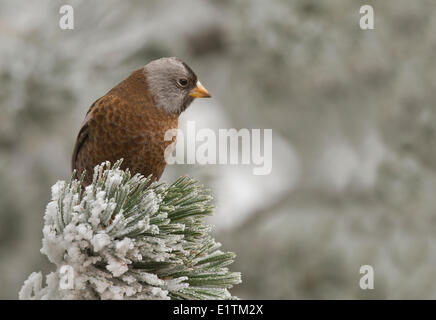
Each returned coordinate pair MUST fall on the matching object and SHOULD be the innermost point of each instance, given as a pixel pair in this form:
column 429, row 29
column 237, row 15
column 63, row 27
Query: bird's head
column 173, row 84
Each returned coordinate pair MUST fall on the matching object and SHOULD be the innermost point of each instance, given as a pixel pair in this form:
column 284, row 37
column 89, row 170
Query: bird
column 130, row 121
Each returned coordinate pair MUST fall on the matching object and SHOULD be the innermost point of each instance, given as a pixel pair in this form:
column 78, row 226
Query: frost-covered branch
column 121, row 238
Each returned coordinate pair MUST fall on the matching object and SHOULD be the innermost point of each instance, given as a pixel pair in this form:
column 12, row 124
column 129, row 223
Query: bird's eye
column 183, row 82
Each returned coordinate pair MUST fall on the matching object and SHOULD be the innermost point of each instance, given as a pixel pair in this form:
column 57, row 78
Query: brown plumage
column 130, row 121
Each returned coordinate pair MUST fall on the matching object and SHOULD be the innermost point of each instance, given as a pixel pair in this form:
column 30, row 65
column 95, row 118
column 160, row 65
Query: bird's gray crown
column 162, row 78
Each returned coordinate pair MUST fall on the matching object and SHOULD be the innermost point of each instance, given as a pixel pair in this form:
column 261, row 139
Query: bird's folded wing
column 83, row 135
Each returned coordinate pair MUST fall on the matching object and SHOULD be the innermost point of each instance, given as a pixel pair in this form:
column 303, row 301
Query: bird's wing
column 83, row 134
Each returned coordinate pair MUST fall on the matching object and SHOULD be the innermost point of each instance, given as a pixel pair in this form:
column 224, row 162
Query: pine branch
column 121, row 238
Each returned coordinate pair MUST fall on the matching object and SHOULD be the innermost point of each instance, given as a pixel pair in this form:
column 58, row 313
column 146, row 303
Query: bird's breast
column 134, row 132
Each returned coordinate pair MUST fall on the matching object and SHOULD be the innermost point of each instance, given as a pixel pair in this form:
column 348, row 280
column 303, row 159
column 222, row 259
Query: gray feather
column 162, row 76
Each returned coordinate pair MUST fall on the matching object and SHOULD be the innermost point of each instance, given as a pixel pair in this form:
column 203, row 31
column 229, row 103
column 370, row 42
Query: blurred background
column 352, row 113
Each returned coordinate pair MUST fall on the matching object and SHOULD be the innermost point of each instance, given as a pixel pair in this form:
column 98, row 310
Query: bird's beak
column 199, row 91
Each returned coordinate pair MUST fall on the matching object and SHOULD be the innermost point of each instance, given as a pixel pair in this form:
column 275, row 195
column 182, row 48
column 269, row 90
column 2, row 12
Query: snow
column 56, row 189
column 116, row 266
column 99, row 241
column 123, row 246
column 31, row 286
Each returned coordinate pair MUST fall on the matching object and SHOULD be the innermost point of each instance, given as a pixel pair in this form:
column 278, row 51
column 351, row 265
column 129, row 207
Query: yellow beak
column 199, row 91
